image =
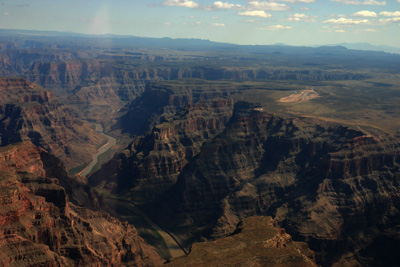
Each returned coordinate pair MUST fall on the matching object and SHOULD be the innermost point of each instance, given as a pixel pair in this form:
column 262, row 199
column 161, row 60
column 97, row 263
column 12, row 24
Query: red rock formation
column 40, row 227
column 28, row 112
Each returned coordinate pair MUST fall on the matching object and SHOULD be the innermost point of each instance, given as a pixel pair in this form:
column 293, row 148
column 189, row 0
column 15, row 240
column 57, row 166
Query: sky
column 292, row 22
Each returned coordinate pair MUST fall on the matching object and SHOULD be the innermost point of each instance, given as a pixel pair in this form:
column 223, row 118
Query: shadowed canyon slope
column 41, row 227
column 27, row 112
column 184, row 118
column 334, row 186
column 327, row 184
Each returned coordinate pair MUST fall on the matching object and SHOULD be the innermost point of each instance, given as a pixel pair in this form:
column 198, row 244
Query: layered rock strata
column 152, row 163
column 329, row 185
column 27, row 112
column 100, row 88
column 39, row 226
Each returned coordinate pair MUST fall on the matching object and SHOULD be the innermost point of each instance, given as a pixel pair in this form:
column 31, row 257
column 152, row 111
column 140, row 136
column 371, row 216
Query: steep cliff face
column 99, row 88
column 14, row 61
column 152, row 162
column 66, row 75
column 40, row 227
column 329, row 185
column 27, row 112
column 75, row 75
column 160, row 101
column 256, row 242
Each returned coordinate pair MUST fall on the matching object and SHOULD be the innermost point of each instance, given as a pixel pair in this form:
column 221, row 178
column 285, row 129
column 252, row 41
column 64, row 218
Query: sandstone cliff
column 39, row 226
column 27, row 112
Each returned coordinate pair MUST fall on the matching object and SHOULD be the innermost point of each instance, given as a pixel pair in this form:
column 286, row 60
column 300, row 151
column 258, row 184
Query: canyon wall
column 27, row 112
column 326, row 184
column 152, row 163
column 39, row 226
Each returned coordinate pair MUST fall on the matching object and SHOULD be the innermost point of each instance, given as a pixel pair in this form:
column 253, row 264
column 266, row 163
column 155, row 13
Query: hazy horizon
column 292, row 22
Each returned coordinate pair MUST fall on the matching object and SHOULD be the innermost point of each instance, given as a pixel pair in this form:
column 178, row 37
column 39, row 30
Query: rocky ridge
column 16, row 60
column 99, row 88
column 329, row 185
column 152, row 163
column 27, row 112
column 41, row 227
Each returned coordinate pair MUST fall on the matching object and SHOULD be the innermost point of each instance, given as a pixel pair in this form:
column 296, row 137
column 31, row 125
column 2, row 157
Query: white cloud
column 6, row 14
column 344, row 21
column 167, row 23
column 390, row 14
column 391, row 20
column 340, row 31
column 370, row 30
column 301, row 17
column 275, row 28
column 215, row 17
column 255, row 13
column 218, row 24
column 223, row 5
column 362, row 2
column 304, row 9
column 365, row 13
column 262, row 5
column 182, row 3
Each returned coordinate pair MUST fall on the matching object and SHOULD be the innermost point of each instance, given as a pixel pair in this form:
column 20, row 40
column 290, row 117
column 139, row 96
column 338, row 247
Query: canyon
column 324, row 183
column 28, row 112
column 320, row 180
column 40, row 225
column 207, row 144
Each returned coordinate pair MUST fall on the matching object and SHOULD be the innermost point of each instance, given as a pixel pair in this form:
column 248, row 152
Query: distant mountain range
column 368, row 47
column 191, row 43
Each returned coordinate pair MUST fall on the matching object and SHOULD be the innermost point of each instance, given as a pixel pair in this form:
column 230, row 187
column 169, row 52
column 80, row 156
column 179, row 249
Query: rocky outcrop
column 324, row 183
column 27, row 112
column 256, row 242
column 39, row 226
column 152, row 163
column 27, row 158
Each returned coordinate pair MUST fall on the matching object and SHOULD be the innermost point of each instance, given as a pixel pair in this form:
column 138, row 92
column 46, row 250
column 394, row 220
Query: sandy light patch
column 303, row 96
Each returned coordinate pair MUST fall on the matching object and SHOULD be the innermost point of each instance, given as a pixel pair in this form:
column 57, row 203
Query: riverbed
column 111, row 141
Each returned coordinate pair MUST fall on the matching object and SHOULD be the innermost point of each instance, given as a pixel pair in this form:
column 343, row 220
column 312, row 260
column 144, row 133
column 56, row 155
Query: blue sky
column 294, row 22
